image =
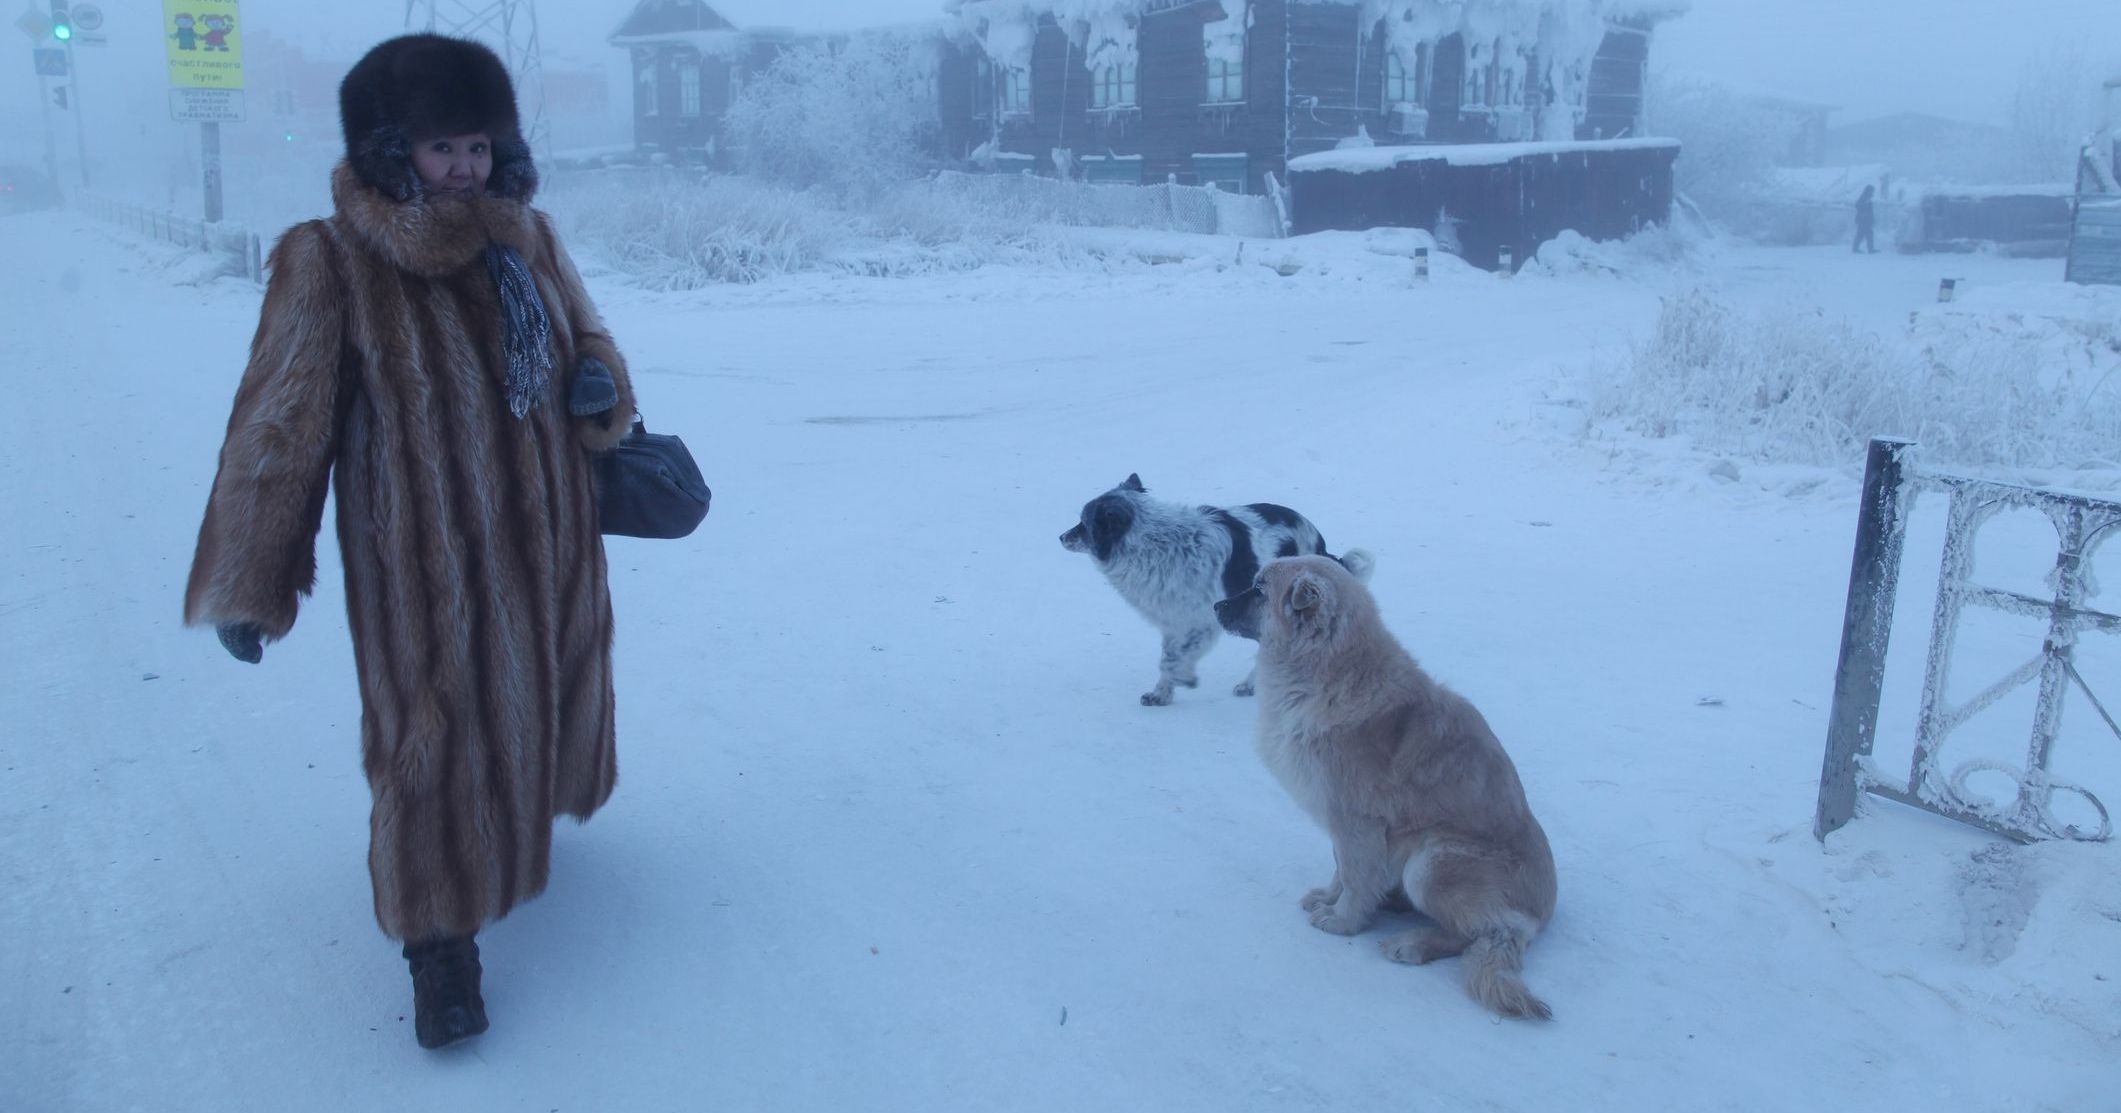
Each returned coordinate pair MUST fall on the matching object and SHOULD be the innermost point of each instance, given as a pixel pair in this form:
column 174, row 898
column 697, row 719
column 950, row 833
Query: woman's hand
column 595, row 391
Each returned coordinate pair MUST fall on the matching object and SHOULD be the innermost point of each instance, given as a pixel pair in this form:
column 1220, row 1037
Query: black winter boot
column 445, row 991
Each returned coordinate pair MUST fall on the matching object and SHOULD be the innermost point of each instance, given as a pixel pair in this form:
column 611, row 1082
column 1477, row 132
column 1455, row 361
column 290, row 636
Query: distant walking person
column 430, row 348
column 1866, row 222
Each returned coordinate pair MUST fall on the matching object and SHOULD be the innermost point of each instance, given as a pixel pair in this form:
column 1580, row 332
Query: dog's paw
column 1325, row 919
column 1320, row 898
column 1243, row 690
column 1161, row 697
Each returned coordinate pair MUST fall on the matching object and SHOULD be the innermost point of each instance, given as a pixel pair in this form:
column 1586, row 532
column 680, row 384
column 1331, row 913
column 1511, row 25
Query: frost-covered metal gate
column 1891, row 481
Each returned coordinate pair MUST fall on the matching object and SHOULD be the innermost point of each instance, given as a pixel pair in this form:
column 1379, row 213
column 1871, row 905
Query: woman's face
column 454, row 165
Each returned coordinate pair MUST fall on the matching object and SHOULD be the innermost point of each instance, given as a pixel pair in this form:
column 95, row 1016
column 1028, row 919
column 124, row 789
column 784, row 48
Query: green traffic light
column 63, row 32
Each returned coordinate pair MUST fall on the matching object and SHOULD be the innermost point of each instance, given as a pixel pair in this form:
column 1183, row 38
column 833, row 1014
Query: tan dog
column 1420, row 800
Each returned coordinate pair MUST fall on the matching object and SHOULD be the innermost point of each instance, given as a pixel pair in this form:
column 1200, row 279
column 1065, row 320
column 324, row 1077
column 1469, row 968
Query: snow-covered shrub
column 670, row 229
column 1660, row 247
column 855, row 116
column 1797, row 385
column 675, row 229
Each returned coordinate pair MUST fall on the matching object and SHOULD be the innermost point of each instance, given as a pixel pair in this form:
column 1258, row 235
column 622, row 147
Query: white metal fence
column 240, row 250
column 1161, row 207
column 1937, row 782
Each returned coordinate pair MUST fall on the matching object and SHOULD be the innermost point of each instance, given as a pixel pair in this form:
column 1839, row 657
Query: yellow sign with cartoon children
column 205, row 44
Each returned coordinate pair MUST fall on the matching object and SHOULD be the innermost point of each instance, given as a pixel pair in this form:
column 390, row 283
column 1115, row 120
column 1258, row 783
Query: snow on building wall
column 1230, row 90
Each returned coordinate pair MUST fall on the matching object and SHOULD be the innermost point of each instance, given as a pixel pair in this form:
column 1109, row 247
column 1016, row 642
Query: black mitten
column 595, row 392
column 243, row 641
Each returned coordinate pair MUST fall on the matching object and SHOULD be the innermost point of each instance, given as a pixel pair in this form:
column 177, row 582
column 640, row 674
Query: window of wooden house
column 984, row 95
column 647, row 89
column 1228, row 173
column 1110, row 170
column 1511, row 70
column 1223, row 41
column 1016, row 92
column 1113, row 86
column 689, row 87
column 1402, row 86
column 1480, row 76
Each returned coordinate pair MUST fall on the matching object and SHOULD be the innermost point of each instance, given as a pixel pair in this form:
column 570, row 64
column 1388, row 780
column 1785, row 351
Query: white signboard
column 206, row 106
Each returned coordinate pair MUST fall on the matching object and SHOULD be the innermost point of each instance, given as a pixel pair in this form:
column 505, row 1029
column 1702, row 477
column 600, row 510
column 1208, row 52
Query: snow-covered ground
column 893, row 831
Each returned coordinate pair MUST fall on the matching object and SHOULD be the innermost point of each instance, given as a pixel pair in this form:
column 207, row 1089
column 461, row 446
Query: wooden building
column 1226, row 92
column 688, row 63
column 1502, row 200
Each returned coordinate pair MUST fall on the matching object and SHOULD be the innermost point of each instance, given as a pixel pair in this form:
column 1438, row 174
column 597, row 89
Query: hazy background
column 1869, row 58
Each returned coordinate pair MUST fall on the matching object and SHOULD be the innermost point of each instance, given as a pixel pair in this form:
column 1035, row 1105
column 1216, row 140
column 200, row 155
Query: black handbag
column 649, row 486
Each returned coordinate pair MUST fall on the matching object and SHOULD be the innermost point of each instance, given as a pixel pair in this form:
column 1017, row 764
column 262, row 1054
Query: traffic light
column 59, row 96
column 62, row 21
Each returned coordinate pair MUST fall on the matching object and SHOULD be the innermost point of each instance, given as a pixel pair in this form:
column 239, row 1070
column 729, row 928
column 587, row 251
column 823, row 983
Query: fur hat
column 417, row 87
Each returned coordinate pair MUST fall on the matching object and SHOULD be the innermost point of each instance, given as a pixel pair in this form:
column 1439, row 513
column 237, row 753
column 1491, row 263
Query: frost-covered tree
column 2054, row 106
column 1729, row 143
column 854, row 116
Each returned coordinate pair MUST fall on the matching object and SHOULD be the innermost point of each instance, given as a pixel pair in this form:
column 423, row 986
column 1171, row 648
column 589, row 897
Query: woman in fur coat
column 430, row 348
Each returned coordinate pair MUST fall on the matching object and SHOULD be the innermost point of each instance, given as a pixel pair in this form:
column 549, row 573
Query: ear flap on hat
column 515, row 173
column 383, row 159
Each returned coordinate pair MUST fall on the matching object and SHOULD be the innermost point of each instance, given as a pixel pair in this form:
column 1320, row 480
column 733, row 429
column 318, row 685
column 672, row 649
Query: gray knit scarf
column 527, row 330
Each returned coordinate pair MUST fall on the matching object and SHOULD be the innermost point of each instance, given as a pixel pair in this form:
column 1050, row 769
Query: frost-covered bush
column 2055, row 104
column 677, row 229
column 855, row 116
column 1797, row 385
column 674, row 230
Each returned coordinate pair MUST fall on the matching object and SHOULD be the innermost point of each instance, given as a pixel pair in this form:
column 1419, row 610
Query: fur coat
column 475, row 572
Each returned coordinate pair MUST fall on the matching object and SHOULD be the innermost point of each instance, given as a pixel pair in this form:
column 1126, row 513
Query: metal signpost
column 205, row 47
column 48, row 62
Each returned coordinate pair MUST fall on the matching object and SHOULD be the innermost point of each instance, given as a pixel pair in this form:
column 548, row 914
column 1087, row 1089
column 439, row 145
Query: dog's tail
column 1359, row 563
column 1494, row 968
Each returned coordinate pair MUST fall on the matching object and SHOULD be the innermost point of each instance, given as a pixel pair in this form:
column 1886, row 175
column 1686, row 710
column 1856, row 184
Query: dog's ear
column 1133, row 483
column 1306, row 593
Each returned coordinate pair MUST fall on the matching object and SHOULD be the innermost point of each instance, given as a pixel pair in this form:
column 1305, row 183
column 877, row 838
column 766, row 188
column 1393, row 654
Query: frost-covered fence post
column 2082, row 523
column 1866, row 627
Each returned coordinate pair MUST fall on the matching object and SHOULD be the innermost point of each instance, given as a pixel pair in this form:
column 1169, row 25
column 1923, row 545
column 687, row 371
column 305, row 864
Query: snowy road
column 892, row 831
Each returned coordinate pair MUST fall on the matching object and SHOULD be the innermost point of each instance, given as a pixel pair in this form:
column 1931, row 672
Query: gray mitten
column 242, row 640
column 595, row 392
